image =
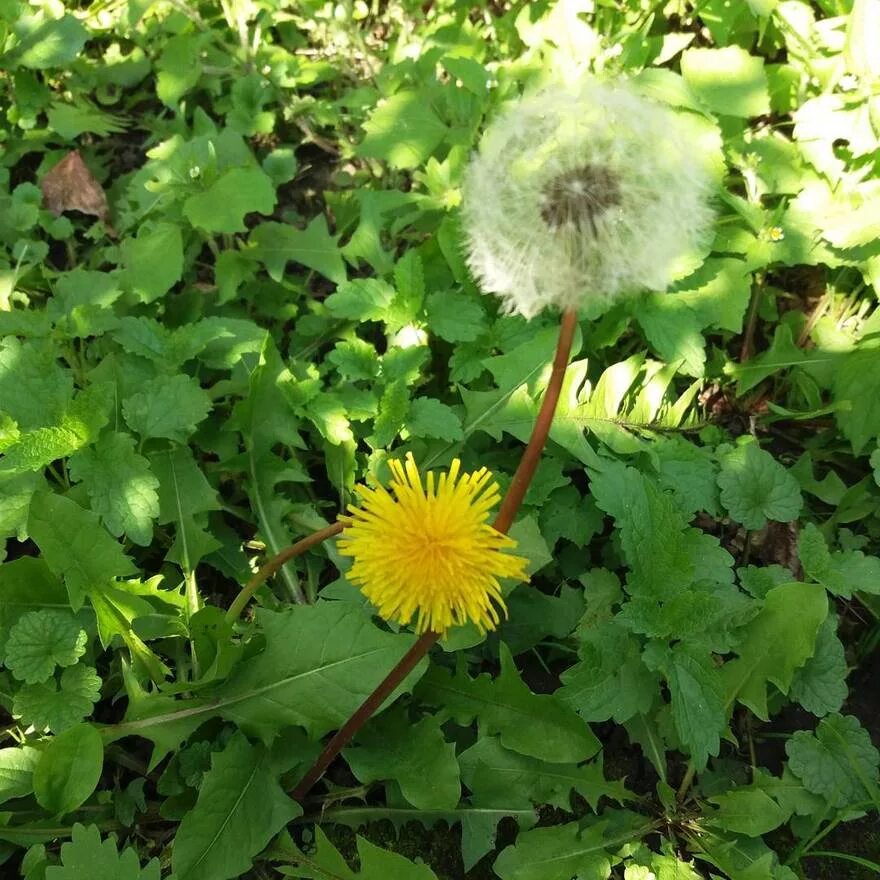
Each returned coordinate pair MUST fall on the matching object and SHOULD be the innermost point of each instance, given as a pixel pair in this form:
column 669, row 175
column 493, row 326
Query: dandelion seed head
column 583, row 192
column 424, row 551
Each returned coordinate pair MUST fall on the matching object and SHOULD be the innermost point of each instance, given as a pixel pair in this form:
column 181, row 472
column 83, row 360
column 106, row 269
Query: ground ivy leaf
column 170, row 407
column 45, row 705
column 69, row 769
column 75, row 545
column 747, row 811
column 416, row 756
column 837, row 761
column 841, row 573
column 756, row 488
column 403, row 130
column 121, row 486
column 820, row 684
column 430, row 418
column 153, row 260
column 87, row 856
column 774, row 644
column 42, row 640
column 498, row 777
column 277, row 243
column 239, row 810
column 223, row 205
column 17, row 771
column 539, row 725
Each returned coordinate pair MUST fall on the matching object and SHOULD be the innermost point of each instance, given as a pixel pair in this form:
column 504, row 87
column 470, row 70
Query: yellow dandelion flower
column 427, row 551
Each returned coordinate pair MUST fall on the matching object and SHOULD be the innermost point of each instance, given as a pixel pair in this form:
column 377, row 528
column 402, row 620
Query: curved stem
column 275, row 563
column 509, row 507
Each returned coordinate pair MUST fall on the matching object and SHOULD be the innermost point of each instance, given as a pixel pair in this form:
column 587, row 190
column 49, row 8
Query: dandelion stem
column 275, row 563
column 506, row 514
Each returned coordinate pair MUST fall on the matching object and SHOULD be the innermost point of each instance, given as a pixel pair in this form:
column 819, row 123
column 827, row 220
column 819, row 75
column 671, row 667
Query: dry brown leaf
column 70, row 186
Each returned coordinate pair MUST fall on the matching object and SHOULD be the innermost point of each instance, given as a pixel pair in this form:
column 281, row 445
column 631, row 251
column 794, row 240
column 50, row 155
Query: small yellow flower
column 428, row 551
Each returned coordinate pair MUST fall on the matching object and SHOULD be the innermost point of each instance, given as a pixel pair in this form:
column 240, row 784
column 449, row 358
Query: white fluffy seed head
column 584, row 192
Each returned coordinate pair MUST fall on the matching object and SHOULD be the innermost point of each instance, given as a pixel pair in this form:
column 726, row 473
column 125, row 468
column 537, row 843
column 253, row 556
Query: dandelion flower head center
column 577, row 198
column 425, row 550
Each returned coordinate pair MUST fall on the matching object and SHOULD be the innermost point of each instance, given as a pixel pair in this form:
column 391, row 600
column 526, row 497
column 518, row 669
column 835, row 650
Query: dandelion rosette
column 425, row 550
column 584, row 192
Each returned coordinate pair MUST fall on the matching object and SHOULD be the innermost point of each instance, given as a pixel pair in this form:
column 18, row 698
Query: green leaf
column 86, row 856
column 44, row 705
column 17, row 771
column 539, row 725
column 416, row 756
column 75, row 545
column 221, row 208
column 403, row 130
column 820, row 684
column 275, row 244
column 747, row 811
column 837, row 761
column 120, row 485
column 327, row 863
column 42, row 640
column 429, row 417
column 69, row 769
column 499, row 777
column 609, row 680
column 35, row 391
column 842, row 573
column 778, row 641
column 153, row 261
column 855, row 382
column 756, row 488
column 171, row 407
column 52, row 43
column 239, row 810
column 729, row 81
column 363, row 299
column 455, row 316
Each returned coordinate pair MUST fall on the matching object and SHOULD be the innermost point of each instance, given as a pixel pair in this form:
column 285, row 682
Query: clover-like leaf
column 42, row 640
column 756, row 488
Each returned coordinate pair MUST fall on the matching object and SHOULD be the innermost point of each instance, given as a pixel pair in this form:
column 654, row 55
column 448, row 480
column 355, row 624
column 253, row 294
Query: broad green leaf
column 539, row 725
column 34, row 390
column 153, row 260
column 841, row 573
column 362, row 299
column 747, row 811
column 455, row 316
column 50, row 42
column 120, row 485
column 403, row 130
column 327, row 863
column 729, row 80
column 820, row 684
column 75, row 545
column 429, row 417
column 41, row 640
column 778, row 641
column 416, row 756
column 170, row 407
column 837, row 761
column 756, row 488
column 69, row 769
column 276, row 244
column 17, row 771
column 26, row 584
column 499, row 777
column 240, row 808
column 856, row 381
column 87, row 856
column 46, row 706
column 222, row 207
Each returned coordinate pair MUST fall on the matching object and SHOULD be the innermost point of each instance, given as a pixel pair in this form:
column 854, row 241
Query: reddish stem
column 509, row 506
